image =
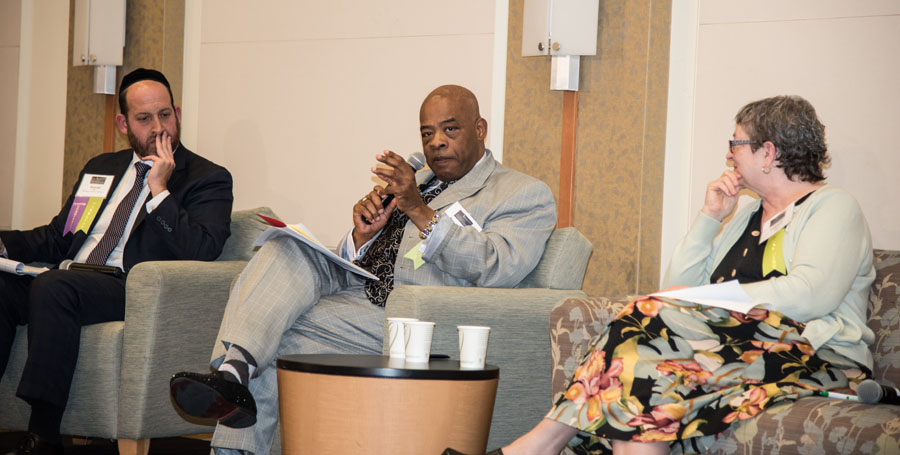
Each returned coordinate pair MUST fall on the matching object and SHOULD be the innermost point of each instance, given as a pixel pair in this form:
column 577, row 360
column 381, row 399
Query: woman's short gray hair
column 789, row 122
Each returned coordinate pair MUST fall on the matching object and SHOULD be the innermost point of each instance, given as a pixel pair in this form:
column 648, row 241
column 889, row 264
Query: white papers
column 18, row 268
column 301, row 233
column 728, row 295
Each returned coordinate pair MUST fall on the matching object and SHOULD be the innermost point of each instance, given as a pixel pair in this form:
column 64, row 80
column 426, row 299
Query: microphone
column 871, row 392
column 68, row 264
column 416, row 161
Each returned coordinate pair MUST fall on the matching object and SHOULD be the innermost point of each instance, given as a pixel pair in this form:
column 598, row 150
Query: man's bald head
column 452, row 131
column 459, row 94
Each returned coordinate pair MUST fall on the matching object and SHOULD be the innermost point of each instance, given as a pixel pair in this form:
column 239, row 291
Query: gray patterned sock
column 238, row 365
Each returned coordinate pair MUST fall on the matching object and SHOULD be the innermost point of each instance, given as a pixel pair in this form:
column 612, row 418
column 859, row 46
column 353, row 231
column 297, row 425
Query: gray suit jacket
column 517, row 214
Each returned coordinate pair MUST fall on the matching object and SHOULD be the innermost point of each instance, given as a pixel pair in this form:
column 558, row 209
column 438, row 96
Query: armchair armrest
column 519, row 343
column 172, row 315
column 573, row 323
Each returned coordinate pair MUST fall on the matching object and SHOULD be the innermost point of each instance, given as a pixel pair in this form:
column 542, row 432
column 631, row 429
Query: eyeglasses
column 732, row 143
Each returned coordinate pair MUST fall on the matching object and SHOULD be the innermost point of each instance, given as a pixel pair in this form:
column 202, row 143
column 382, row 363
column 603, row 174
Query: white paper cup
column 393, row 336
column 396, row 362
column 473, row 343
column 417, row 337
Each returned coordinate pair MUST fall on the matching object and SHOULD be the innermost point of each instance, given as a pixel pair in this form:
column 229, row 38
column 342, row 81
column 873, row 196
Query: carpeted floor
column 164, row 446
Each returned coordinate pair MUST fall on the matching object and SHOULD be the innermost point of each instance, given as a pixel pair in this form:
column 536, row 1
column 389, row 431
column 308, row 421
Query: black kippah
column 143, row 74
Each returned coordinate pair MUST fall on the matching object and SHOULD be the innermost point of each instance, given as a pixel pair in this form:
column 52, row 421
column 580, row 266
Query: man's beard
column 145, row 150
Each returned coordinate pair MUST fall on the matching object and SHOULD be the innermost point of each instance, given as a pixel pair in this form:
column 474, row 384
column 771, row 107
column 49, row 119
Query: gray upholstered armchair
column 121, row 385
column 520, row 323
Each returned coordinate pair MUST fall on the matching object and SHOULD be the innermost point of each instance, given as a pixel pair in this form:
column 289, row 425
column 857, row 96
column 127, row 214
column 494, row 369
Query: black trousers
column 54, row 305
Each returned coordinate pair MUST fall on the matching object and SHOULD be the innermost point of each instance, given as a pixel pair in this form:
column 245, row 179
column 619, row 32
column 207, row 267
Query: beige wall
column 620, row 138
column 293, row 96
column 10, row 17
column 84, row 116
column 40, row 113
column 839, row 55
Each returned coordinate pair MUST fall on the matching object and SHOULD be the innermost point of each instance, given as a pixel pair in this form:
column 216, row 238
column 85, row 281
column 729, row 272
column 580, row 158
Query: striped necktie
column 120, row 218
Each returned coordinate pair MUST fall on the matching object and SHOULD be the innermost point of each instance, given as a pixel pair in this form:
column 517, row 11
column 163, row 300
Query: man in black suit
column 156, row 201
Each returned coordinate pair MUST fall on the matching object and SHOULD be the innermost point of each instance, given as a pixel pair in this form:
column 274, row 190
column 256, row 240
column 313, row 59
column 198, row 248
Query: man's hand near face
column 163, row 164
column 402, row 184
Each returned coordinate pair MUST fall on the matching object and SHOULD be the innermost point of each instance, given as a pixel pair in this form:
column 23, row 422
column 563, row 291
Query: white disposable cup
column 473, row 343
column 396, row 362
column 393, row 336
column 417, row 337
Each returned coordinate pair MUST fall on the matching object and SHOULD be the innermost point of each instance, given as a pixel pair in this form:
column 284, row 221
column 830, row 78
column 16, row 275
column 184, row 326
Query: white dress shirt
column 124, row 187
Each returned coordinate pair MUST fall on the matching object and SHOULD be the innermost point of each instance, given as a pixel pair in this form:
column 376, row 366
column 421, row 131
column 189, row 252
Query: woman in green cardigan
column 667, row 375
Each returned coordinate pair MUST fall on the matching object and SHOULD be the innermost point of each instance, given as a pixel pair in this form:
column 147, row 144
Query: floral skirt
column 672, row 370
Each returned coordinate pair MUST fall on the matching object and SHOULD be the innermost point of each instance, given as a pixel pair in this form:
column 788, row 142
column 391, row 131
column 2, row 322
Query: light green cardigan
column 828, row 254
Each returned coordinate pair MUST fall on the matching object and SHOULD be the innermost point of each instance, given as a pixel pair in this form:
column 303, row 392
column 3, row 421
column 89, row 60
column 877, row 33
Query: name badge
column 776, row 223
column 94, row 185
column 461, row 216
column 88, row 199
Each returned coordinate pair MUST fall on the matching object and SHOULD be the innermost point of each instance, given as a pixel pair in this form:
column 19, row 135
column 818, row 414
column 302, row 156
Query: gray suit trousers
column 290, row 289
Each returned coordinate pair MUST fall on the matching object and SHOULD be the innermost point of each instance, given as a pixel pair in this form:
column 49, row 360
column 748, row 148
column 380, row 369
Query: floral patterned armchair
column 812, row 425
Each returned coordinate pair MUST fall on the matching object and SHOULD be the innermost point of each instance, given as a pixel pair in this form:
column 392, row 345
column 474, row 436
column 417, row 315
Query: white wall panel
column 841, row 56
column 742, row 11
column 845, row 67
column 293, row 20
column 10, row 17
column 296, row 98
column 41, row 112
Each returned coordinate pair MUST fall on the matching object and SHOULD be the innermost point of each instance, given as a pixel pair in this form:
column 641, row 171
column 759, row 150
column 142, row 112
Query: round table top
column 378, row 366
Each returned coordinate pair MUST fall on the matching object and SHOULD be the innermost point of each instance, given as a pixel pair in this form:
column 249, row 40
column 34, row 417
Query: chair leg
column 134, row 447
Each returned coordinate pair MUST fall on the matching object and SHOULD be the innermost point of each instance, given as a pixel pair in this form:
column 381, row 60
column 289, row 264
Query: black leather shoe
column 32, row 444
column 449, row 451
column 210, row 396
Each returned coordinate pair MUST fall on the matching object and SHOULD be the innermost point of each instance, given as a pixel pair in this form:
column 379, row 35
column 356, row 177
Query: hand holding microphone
column 416, row 161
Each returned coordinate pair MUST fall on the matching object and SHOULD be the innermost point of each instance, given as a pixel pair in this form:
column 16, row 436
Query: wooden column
column 109, row 125
column 567, row 160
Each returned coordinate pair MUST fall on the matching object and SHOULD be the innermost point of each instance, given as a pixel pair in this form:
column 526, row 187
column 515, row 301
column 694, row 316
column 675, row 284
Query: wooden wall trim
column 566, row 204
column 109, row 124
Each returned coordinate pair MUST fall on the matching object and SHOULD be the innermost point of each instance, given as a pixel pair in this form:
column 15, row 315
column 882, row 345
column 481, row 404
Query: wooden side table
column 371, row 404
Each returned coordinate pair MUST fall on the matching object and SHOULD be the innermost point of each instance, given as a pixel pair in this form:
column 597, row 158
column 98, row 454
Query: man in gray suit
column 318, row 307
